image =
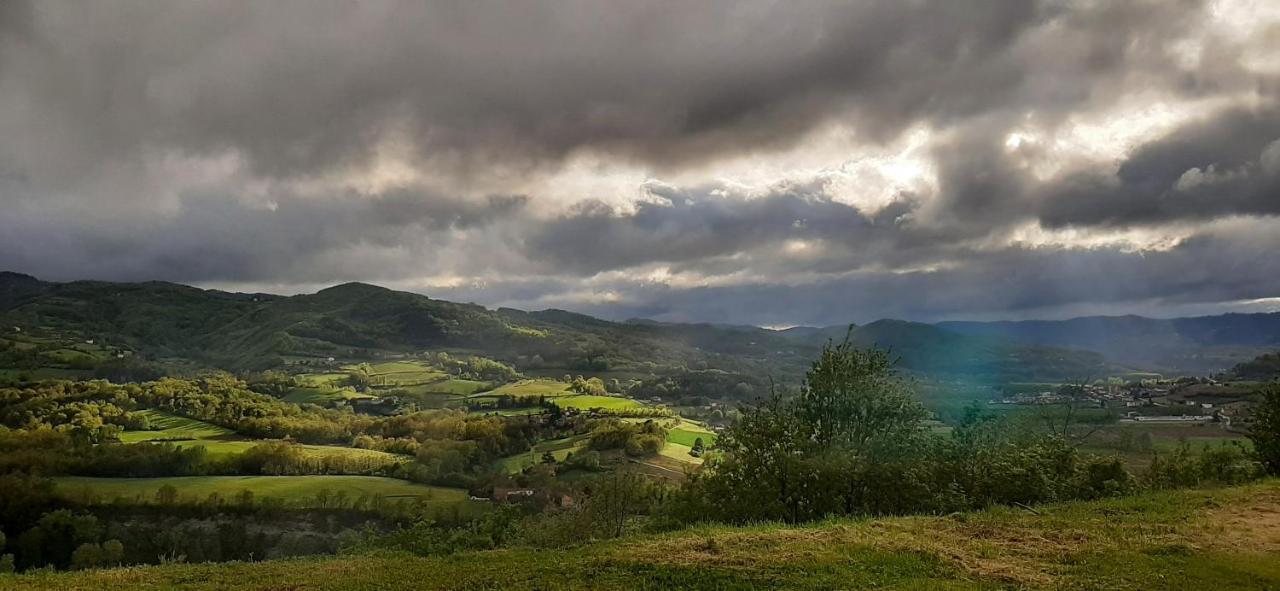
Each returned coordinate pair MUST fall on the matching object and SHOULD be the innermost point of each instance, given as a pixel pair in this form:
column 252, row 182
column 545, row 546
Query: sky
column 773, row 163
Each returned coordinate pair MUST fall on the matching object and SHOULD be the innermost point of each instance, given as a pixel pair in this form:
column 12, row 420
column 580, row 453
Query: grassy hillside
column 1192, row 540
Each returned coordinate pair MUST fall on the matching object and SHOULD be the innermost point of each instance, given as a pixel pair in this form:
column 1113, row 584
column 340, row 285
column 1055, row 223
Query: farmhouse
column 508, row 495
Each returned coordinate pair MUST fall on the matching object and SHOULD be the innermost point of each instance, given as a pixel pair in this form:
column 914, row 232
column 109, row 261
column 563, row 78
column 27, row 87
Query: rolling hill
column 1194, row 345
column 237, row 331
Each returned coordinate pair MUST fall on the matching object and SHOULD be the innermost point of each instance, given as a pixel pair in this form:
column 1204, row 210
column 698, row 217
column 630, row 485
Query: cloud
column 1222, row 165
column 738, row 161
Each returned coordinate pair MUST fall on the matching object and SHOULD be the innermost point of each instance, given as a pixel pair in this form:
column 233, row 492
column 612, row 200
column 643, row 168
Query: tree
column 87, row 555
column 1264, row 432
column 851, row 396
column 1064, row 419
column 548, row 457
column 167, row 495
column 697, row 449
column 613, row 498
column 112, row 552
column 817, row 453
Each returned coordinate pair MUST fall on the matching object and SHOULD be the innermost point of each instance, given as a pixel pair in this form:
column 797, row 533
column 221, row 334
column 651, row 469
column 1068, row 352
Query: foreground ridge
column 1198, row 539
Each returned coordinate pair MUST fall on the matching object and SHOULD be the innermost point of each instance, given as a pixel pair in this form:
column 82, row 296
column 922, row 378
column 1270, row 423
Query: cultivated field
column 169, row 427
column 531, row 388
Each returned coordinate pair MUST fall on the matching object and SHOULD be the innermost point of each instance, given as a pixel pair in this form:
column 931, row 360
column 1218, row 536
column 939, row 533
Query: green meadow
column 531, row 388
column 587, row 402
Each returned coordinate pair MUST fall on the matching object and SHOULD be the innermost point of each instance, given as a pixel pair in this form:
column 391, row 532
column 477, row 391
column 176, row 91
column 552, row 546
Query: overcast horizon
column 761, row 163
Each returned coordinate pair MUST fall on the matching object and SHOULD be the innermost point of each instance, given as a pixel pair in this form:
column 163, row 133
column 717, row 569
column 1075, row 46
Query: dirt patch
column 1251, row 526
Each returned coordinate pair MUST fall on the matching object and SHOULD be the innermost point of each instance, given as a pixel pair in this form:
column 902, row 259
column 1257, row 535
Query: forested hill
column 1263, row 368
column 167, row 321
column 1200, row 344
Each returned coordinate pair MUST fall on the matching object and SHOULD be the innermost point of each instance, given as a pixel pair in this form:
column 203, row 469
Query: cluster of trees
column 638, row 440
column 697, row 387
column 592, row 386
column 854, row 442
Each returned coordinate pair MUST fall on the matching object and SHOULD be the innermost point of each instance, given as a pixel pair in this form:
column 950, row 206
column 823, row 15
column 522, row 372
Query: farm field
column 454, row 386
column 173, row 428
column 1135, row 443
column 685, row 432
column 1176, row 541
column 559, row 448
column 400, row 373
column 586, row 402
column 222, row 442
column 223, row 448
column 679, row 453
column 298, row 491
column 531, row 388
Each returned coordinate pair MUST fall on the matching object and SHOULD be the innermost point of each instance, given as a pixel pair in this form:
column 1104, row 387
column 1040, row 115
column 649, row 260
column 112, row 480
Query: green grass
column 404, row 373
column 686, row 432
column 679, row 453
column 322, row 395
column 220, row 442
column 531, row 388
column 224, row 448
column 1174, row 541
column 173, row 427
column 298, row 491
column 454, row 386
column 585, row 402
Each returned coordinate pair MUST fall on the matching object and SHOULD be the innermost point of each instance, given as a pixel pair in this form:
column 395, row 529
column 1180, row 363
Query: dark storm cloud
column 1225, row 164
column 1220, row 266
column 219, row 238
column 687, row 225
column 217, row 142
column 300, row 87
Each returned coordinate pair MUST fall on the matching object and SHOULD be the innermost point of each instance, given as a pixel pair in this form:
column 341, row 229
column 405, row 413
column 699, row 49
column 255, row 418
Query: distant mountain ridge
column 1189, row 345
column 258, row 331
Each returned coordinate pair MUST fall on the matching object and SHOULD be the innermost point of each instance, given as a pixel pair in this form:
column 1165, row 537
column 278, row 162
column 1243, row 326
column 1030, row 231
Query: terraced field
column 173, row 428
column 220, row 442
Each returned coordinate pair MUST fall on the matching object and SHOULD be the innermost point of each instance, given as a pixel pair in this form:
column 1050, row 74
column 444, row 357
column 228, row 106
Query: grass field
column 686, row 432
column 217, row 448
column 679, row 453
column 585, row 402
column 1226, row 539
column 298, row 491
column 322, row 395
column 1126, row 440
column 173, row 427
column 453, row 386
column 531, row 388
column 403, row 373
column 221, row 442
